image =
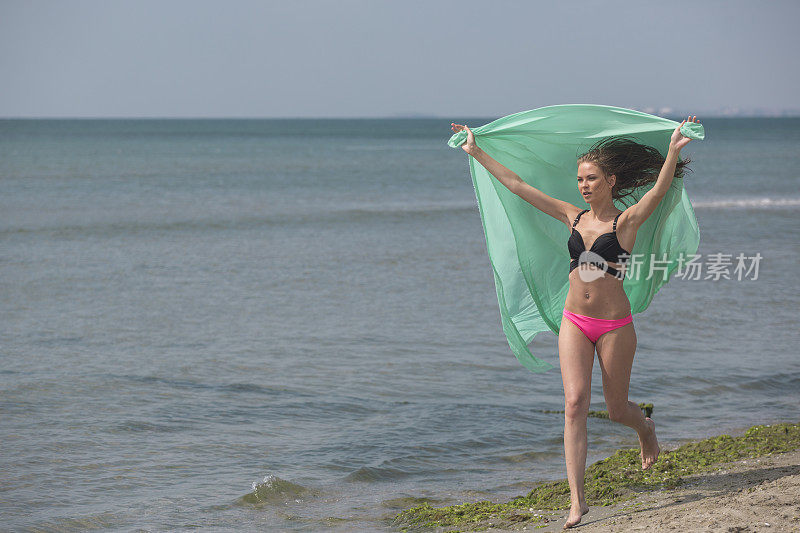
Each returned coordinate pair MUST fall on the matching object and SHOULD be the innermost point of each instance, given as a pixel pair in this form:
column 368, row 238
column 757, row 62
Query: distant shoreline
column 671, row 115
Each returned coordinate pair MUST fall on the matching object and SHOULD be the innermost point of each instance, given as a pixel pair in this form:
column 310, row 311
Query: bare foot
column 649, row 443
column 575, row 515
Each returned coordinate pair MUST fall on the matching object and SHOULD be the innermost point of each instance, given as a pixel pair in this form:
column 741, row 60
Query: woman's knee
column 576, row 406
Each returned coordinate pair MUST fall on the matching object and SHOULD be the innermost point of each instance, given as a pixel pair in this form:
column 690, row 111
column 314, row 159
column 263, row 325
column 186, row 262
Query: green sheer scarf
column 528, row 248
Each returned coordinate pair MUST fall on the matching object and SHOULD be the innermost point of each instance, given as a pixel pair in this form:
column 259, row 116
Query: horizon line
column 745, row 114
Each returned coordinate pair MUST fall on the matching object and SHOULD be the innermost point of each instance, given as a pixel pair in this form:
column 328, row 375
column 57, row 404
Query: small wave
column 372, row 473
column 747, row 203
column 105, row 520
column 529, row 456
column 137, row 426
column 778, row 383
column 274, row 490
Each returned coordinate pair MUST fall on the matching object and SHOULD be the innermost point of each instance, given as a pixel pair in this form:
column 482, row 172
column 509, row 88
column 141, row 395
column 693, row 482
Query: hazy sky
column 368, row 58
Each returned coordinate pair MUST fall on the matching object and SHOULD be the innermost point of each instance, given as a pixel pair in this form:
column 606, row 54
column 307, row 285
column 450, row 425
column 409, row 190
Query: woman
column 597, row 309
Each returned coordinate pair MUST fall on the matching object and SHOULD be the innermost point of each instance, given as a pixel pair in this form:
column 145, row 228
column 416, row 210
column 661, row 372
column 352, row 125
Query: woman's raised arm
column 557, row 209
column 638, row 213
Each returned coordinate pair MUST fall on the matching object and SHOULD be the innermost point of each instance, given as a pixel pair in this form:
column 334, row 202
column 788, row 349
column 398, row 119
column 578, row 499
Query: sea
column 291, row 324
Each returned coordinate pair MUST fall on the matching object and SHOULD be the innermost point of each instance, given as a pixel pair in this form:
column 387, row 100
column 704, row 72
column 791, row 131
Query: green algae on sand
column 647, row 409
column 614, row 479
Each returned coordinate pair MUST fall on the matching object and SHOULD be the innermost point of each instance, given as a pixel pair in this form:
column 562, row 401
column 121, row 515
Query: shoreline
column 756, row 494
column 723, row 483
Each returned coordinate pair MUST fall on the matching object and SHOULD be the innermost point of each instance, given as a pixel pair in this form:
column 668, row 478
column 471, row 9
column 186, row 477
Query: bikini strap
column 615, row 222
column 578, row 218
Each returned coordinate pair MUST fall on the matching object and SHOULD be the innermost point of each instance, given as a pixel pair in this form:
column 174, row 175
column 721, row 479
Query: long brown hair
column 634, row 164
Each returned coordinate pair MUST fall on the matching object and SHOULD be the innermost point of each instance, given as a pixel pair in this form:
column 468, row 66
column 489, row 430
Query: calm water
column 292, row 324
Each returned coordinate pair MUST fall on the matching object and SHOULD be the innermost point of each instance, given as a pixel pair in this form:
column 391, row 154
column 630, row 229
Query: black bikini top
column 606, row 246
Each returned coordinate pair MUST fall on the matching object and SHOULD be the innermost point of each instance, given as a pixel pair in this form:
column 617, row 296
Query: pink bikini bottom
column 593, row 328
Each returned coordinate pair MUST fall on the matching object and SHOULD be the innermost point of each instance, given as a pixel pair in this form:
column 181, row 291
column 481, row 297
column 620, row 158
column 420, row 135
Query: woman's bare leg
column 576, row 355
column 615, row 351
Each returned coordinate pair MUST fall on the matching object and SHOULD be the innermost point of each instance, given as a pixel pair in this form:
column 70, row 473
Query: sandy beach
column 759, row 494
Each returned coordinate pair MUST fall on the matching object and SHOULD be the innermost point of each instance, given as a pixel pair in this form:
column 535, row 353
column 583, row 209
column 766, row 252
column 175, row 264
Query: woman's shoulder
column 572, row 213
